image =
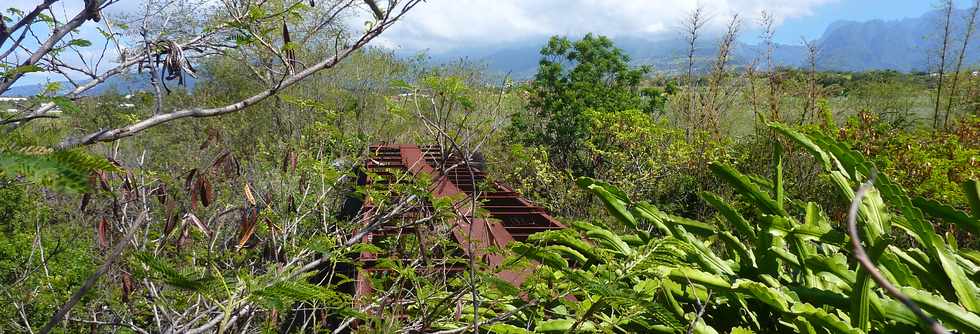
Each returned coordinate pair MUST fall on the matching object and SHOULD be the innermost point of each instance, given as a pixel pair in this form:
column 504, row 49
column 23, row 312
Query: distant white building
column 11, row 99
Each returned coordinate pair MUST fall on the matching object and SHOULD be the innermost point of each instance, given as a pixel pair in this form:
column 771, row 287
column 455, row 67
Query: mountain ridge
column 902, row 45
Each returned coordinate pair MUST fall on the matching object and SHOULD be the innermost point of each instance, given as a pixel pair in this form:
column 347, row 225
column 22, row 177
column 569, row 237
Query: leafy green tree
column 572, row 78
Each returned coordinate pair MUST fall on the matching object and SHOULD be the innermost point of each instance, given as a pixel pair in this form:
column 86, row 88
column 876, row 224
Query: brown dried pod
column 289, row 162
column 93, row 180
column 184, row 238
column 248, row 195
column 303, row 179
column 102, row 231
column 272, row 227
column 207, row 192
column 115, row 162
column 127, row 286
column 290, row 53
column 188, row 182
column 214, row 134
column 207, row 141
column 250, row 218
column 231, row 167
column 161, row 193
column 86, row 197
column 195, row 192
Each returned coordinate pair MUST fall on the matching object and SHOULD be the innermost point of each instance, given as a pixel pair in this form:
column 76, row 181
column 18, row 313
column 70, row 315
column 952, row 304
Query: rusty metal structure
column 502, row 215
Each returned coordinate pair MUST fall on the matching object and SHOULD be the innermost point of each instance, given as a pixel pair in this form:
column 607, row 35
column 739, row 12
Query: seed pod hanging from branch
column 103, row 232
column 288, row 47
column 207, row 192
column 175, row 64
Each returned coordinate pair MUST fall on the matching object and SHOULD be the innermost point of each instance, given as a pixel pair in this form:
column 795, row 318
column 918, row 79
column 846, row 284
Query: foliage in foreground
column 780, row 266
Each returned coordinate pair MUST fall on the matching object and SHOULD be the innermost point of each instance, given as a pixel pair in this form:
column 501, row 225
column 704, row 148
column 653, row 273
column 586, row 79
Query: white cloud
column 445, row 24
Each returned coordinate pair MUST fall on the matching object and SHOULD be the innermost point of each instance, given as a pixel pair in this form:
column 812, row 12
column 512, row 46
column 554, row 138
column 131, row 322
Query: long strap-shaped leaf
column 855, row 163
column 948, row 213
column 746, row 188
column 971, row 188
column 738, row 222
column 932, row 242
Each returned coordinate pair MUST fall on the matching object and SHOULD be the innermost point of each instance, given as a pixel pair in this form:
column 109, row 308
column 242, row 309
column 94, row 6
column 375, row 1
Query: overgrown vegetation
column 706, row 202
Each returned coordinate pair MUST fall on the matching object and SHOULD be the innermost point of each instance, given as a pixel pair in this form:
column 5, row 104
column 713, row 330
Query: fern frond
column 59, row 169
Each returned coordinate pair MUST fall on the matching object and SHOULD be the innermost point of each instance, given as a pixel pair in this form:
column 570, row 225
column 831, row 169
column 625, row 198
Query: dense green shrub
column 42, row 259
column 927, row 163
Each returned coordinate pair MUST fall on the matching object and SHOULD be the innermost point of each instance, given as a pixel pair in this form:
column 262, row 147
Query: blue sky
column 443, row 25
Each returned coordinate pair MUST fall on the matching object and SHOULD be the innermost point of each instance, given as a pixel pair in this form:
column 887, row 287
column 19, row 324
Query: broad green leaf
column 803, row 326
column 501, row 328
column 650, row 212
column 687, row 275
column 949, row 314
column 763, row 293
column 567, row 251
column 612, row 198
column 21, row 70
column 777, row 187
column 931, row 242
column 565, row 238
column 547, row 258
column 949, row 214
column 821, row 318
column 610, row 240
column 898, row 270
column 562, row 326
column 741, row 330
column 746, row 258
column 801, row 139
column 861, row 294
column 836, row 265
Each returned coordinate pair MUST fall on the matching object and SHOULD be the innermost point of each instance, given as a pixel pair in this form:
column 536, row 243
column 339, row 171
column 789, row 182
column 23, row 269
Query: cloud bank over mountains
column 441, row 25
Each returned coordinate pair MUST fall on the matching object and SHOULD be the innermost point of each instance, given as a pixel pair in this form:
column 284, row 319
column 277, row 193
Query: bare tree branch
column 123, row 132
column 57, row 35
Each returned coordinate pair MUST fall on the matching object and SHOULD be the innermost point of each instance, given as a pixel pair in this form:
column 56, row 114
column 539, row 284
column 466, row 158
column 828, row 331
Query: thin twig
column 862, row 257
column 90, row 282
